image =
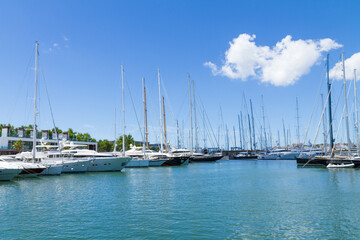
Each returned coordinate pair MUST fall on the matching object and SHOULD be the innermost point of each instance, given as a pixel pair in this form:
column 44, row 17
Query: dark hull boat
column 324, row 161
column 205, row 158
column 176, row 161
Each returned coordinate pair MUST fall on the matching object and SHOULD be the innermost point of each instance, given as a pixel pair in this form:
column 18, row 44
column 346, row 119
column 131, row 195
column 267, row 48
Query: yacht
column 53, row 167
column 29, row 169
column 97, row 162
column 8, row 171
column 147, row 158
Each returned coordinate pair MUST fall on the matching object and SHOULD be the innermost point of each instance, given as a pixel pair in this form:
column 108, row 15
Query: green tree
column 18, row 145
column 128, row 140
column 105, row 146
column 71, row 133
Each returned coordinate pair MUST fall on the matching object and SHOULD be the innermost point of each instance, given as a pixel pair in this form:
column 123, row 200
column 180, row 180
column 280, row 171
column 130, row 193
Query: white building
column 7, row 140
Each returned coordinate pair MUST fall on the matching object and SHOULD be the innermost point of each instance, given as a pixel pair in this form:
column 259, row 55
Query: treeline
column 108, row 146
column 75, row 136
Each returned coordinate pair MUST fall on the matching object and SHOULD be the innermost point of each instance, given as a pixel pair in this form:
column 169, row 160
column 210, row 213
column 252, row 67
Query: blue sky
column 83, row 44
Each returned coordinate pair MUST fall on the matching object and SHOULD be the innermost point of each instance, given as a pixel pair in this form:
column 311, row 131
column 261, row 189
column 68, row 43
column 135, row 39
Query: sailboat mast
column 242, row 130
column 177, row 134
column 356, row 115
column 253, row 124
column 161, row 135
column 324, row 125
column 35, row 102
column 204, row 129
column 114, row 129
column 298, row 121
column 234, row 136
column 346, row 107
column 285, row 141
column 329, row 103
column 164, row 124
column 196, row 127
column 145, row 116
column 251, row 146
column 263, row 110
column 123, row 107
column 191, row 123
column 240, row 141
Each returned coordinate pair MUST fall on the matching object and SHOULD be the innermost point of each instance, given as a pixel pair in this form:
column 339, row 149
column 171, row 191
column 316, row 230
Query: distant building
column 7, row 140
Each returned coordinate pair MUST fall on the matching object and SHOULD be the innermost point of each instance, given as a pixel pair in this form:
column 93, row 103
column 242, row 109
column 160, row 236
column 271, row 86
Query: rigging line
column 317, row 131
column 137, row 119
column 168, row 102
column 207, row 118
column 313, row 110
column 51, row 111
column 27, row 70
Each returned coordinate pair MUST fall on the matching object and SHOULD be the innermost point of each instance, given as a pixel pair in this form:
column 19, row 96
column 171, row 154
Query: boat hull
column 176, row 161
column 76, row 166
column 205, row 158
column 55, row 169
column 156, row 163
column 254, row 157
column 137, row 163
column 107, row 164
column 31, row 172
column 8, row 174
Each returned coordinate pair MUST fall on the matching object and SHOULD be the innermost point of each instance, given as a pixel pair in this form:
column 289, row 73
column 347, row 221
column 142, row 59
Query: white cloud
column 350, row 64
column 281, row 65
column 65, row 38
column 55, row 45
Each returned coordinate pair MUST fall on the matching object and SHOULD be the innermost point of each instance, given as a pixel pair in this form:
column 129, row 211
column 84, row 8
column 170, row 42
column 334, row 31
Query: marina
column 179, row 119
column 220, row 200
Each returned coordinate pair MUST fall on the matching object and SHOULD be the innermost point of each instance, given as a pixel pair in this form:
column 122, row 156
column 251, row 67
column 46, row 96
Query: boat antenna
column 123, row 108
column 35, row 102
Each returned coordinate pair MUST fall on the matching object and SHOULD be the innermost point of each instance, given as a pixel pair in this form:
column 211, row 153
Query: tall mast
column 324, row 125
column 164, row 124
column 240, row 140
column 329, row 103
column 253, row 124
column 356, row 115
column 145, row 116
column 161, row 135
column 263, row 110
column 35, row 102
column 285, row 141
column 234, row 136
column 123, row 107
column 298, row 122
column 115, row 129
column 346, row 107
column 196, row 127
column 177, row 134
column 278, row 138
column 251, row 146
column 191, row 123
column 242, row 130
column 204, row 129
column 144, row 138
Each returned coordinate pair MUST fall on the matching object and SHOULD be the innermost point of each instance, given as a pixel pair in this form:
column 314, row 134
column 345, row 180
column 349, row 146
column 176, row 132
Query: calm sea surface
column 222, row 200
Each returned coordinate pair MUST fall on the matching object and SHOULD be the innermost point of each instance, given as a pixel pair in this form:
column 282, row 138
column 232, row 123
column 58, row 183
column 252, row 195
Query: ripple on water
column 223, row 200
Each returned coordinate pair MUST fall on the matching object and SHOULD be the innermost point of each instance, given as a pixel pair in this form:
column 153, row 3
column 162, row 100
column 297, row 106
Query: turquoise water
column 222, row 200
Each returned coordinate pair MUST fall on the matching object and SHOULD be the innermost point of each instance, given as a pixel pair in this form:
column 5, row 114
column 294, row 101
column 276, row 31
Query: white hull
column 76, row 166
column 342, row 165
column 290, row 156
column 8, row 174
column 54, row 169
column 108, row 164
column 136, row 163
column 156, row 163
